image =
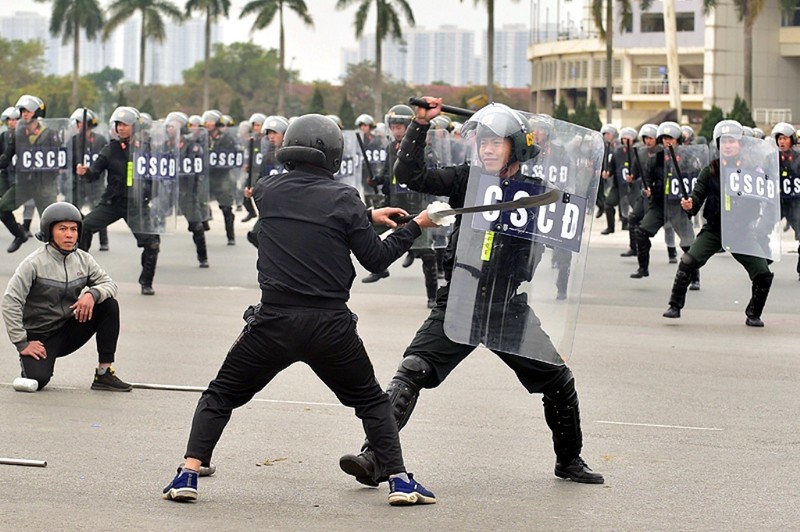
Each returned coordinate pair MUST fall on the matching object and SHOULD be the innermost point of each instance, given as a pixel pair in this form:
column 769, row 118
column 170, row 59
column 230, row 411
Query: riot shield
column 692, row 158
column 375, row 154
column 153, row 180
column 266, row 159
column 43, row 161
column 518, row 274
column 86, row 147
column 350, row 167
column 193, row 178
column 750, row 210
column 438, row 154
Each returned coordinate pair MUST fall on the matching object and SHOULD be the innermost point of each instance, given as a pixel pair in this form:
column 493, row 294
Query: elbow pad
column 412, row 147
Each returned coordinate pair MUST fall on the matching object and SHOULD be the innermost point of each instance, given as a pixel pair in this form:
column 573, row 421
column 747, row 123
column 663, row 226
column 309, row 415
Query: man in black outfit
column 310, row 223
column 504, row 143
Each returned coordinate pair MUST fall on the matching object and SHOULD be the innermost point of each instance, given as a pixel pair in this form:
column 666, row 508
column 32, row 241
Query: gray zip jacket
column 46, row 283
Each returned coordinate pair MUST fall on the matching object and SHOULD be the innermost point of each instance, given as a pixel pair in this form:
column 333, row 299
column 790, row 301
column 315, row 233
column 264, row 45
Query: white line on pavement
column 658, row 426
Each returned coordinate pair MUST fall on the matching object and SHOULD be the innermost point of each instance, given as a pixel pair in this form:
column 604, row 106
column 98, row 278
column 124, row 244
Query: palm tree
column 266, row 10
column 152, row 13
column 387, row 22
column 212, row 9
column 68, row 19
column 748, row 11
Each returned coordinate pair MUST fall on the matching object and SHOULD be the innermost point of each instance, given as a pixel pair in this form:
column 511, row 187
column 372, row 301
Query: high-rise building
column 511, row 65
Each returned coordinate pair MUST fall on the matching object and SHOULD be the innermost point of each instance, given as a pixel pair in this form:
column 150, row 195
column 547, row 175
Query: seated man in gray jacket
column 59, row 298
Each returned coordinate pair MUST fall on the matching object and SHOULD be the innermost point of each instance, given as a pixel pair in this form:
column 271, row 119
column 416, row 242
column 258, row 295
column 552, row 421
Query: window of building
column 654, row 22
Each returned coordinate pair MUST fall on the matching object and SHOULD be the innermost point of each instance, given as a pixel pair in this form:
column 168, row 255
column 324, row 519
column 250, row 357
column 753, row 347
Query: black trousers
column 71, row 337
column 276, row 338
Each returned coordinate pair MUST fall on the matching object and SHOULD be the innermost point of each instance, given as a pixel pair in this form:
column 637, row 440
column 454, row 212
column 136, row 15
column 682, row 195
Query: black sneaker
column 641, row 272
column 694, row 286
column 373, row 277
column 17, row 243
column 203, row 264
column 147, row 290
column 578, row 471
column 629, row 253
column 607, row 231
column 108, row 381
column 753, row 321
column 361, row 466
column 231, row 242
column 672, row 312
column 408, row 261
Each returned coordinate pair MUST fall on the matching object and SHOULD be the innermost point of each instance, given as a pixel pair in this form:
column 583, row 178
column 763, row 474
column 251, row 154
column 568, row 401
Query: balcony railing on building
column 654, row 87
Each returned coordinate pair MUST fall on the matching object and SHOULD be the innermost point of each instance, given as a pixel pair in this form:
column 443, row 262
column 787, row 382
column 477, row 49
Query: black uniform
column 193, row 203
column 310, row 224
column 113, row 160
column 220, row 179
column 88, row 193
column 790, row 193
column 432, row 355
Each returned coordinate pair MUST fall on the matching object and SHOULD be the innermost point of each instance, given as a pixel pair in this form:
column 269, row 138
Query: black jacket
column 113, row 158
column 308, row 225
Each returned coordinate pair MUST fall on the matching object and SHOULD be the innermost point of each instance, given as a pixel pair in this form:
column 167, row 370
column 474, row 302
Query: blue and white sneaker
column 182, row 488
column 402, row 493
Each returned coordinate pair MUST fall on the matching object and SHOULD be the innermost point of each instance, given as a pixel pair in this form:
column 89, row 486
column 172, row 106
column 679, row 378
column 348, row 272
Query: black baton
column 460, row 111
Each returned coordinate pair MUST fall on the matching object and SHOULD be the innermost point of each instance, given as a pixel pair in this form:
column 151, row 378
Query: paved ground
column 693, row 422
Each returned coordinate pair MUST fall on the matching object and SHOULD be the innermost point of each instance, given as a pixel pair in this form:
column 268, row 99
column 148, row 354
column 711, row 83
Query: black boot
column 409, row 260
column 199, row 238
column 26, row 226
column 631, row 243
column 798, row 262
column 562, row 279
column 562, row 415
column 624, row 223
column 678, row 297
column 15, row 229
column 672, row 254
column 642, row 254
column 103, row 239
column 760, row 291
column 609, row 222
column 227, row 214
column 431, row 281
column 149, row 260
column 251, row 210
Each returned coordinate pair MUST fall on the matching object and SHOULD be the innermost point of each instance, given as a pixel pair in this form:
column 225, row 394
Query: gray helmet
column 399, row 114
column 365, row 119
column 499, row 120
column 336, row 120
column 126, row 115
column 11, row 113
column 609, row 128
column 91, row 118
column 628, row 133
column 668, row 129
column 543, row 123
column 313, row 139
column 275, row 123
column 747, row 131
column 648, row 130
column 783, row 128
column 33, row 104
column 228, row 121
column 145, row 120
column 688, row 134
column 195, row 120
column 758, row 133
column 257, row 118
column 212, row 115
column 59, row 211
column 727, row 128
column 179, row 117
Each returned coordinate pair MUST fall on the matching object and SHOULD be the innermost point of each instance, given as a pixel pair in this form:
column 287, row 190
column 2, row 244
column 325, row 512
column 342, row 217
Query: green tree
column 152, row 13
column 212, row 9
column 149, row 108
column 714, row 116
column 236, row 110
column 22, row 58
column 56, row 92
column 387, row 22
column 560, row 111
column 317, row 102
column 68, row 19
column 107, row 84
column 592, row 116
column 741, row 112
column 121, row 99
column 346, row 112
column 266, row 10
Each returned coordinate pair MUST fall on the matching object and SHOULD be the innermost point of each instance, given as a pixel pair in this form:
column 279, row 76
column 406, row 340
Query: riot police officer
column 728, row 135
column 616, row 187
column 784, row 135
column 504, row 143
column 113, row 161
column 221, row 146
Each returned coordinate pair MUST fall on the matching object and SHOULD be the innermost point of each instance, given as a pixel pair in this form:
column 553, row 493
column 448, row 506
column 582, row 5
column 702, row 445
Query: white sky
column 317, row 51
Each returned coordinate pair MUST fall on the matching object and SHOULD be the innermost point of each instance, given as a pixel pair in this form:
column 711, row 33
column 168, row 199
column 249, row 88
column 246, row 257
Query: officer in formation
column 609, row 132
column 9, row 118
column 785, row 135
column 617, row 179
column 504, row 142
column 303, row 314
column 707, row 193
column 220, row 147
column 638, row 160
column 85, row 146
column 112, row 162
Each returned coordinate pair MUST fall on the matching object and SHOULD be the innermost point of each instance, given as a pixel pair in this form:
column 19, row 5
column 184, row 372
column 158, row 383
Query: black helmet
column 399, row 114
column 60, row 211
column 313, row 139
column 498, row 120
column 91, row 118
column 32, row 104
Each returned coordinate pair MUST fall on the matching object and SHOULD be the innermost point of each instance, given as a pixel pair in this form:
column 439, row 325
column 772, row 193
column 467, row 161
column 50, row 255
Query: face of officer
column 256, row 128
column 729, row 146
column 275, row 138
column 398, row 130
column 65, row 235
column 364, row 128
column 650, row 142
column 12, row 123
column 26, row 115
column 123, row 130
column 669, row 141
column 784, row 142
column 494, row 153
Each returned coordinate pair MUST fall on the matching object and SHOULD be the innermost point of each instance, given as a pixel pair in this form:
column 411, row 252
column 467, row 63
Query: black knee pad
column 413, row 374
column 561, row 389
column 687, row 263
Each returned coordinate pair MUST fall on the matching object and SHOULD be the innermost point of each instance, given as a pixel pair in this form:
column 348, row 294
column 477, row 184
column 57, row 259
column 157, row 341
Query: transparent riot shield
column 750, row 209
column 267, row 160
column 375, row 154
column 86, row 147
column 438, row 154
column 153, row 180
column 518, row 274
column 461, row 149
column 692, row 159
column 350, row 167
column 193, row 178
column 43, row 161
